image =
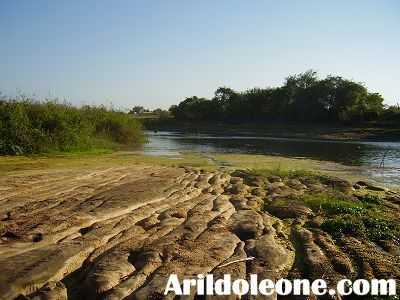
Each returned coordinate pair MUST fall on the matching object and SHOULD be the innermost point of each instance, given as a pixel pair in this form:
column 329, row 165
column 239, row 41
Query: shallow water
column 369, row 155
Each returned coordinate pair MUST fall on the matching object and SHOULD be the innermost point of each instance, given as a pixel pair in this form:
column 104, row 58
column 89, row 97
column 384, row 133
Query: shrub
column 28, row 126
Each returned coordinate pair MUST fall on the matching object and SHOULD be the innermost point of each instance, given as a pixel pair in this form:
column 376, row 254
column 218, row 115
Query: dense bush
column 303, row 97
column 29, row 126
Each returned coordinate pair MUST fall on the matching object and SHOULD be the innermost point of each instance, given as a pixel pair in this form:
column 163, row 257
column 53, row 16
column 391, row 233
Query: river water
column 368, row 155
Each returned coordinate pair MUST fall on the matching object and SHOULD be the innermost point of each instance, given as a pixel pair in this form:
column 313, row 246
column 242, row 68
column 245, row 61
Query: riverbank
column 116, row 225
column 227, row 162
column 11, row 165
column 366, row 132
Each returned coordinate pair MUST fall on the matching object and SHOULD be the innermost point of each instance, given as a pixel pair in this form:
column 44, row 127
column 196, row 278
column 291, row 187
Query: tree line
column 302, row 98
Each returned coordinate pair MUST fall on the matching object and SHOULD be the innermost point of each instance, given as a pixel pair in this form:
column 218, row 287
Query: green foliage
column 359, row 218
column 331, row 204
column 374, row 229
column 29, row 126
column 392, row 114
column 303, row 97
column 137, row 110
column 364, row 217
column 346, row 224
column 369, row 198
column 195, row 108
column 379, row 229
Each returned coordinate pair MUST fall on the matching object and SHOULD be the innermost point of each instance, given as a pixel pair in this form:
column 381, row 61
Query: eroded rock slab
column 118, row 233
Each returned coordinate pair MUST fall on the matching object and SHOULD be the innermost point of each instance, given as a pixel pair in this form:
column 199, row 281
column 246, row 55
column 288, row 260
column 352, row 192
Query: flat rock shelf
column 118, row 233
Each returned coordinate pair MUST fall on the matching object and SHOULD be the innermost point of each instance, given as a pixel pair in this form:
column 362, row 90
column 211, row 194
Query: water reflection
column 368, row 154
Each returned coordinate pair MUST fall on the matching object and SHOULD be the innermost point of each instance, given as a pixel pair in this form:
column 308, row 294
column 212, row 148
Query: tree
column 302, row 80
column 303, row 97
column 224, row 96
column 137, row 110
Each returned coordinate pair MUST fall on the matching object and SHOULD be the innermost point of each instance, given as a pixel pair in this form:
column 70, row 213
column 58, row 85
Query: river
column 366, row 154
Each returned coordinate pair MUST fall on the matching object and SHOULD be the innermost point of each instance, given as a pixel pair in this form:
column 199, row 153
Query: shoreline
column 318, row 132
column 17, row 165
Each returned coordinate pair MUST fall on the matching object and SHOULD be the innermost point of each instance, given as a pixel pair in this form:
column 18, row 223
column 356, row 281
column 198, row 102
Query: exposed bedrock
column 118, row 233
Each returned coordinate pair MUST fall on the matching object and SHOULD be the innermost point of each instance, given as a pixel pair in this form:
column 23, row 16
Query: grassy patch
column 372, row 228
column 97, row 158
column 347, row 224
column 370, row 198
column 365, row 218
column 380, row 229
column 28, row 126
column 331, row 204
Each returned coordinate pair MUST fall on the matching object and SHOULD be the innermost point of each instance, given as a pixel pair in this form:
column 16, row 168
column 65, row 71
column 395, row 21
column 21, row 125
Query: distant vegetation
column 141, row 112
column 29, row 126
column 302, row 98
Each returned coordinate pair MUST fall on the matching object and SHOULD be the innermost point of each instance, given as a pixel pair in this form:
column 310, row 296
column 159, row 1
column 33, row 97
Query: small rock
column 275, row 186
column 239, row 202
column 390, row 247
column 258, row 192
column 342, row 185
column 255, row 202
column 290, row 211
column 239, row 188
column 316, row 187
column 235, row 180
column 316, row 221
column 6, row 216
column 52, row 291
column 370, row 186
column 274, row 178
column 286, row 191
column 295, row 184
column 247, row 224
column 258, row 181
column 393, row 199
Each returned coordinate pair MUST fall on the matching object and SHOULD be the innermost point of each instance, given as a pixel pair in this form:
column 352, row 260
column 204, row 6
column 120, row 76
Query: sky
column 157, row 53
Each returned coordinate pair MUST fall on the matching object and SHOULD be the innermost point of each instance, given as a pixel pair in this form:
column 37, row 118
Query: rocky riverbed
column 118, row 232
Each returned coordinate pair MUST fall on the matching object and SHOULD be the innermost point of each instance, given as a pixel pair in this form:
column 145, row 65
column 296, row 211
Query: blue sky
column 156, row 53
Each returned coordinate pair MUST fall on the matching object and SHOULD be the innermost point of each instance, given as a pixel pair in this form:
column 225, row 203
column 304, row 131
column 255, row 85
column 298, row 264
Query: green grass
column 96, row 158
column 345, row 224
column 331, row 204
column 370, row 198
column 364, row 218
column 375, row 229
column 28, row 126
